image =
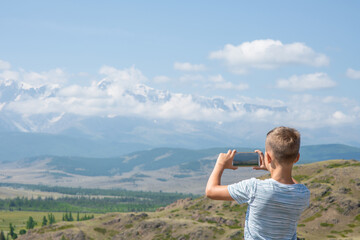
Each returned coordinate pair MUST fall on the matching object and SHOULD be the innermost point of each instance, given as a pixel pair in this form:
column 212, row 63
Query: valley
column 334, row 213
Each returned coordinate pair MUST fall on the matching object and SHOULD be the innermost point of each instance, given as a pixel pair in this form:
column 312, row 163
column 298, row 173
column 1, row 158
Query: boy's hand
column 262, row 161
column 225, row 160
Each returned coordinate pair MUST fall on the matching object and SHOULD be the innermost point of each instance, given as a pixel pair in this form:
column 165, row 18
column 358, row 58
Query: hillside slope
column 334, row 213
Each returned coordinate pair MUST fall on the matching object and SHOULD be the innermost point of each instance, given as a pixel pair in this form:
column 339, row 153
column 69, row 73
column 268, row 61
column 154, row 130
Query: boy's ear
column 268, row 157
column 297, row 158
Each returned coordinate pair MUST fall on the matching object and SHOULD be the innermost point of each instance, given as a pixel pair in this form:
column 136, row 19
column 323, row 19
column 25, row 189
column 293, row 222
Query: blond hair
column 284, row 143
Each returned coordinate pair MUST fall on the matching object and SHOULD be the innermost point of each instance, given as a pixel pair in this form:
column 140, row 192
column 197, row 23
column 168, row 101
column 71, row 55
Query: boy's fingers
column 259, row 168
column 261, row 156
column 259, row 152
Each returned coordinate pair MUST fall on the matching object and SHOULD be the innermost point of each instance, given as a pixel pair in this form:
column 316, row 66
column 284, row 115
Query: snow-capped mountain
column 110, row 111
column 15, row 97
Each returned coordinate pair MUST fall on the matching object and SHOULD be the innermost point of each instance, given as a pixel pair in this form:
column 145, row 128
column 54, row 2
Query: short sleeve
column 242, row 191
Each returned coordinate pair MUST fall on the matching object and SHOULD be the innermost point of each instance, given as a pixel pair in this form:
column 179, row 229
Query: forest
column 89, row 200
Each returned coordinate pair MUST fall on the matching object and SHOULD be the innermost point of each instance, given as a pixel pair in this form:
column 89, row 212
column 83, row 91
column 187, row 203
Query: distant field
column 9, row 192
column 19, row 218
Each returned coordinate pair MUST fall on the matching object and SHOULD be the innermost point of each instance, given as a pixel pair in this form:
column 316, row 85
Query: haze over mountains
column 119, row 114
column 29, row 109
column 160, row 169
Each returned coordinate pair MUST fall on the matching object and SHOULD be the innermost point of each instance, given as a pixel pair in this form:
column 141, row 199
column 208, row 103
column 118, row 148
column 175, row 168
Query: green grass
column 342, row 233
column 100, row 230
column 351, row 225
column 216, row 230
column 330, row 236
column 300, row 178
column 239, row 208
column 323, row 179
column 342, row 165
column 313, row 217
column 339, row 209
column 326, row 224
column 130, row 225
column 65, row 227
column 19, row 218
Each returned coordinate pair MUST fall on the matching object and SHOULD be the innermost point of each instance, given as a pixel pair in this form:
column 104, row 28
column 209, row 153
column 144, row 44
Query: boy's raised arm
column 214, row 189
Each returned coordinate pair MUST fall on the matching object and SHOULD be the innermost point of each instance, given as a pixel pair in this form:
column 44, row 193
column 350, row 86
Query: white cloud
column 338, row 117
column 353, row 74
column 313, row 112
column 217, row 78
column 306, row 82
column 122, row 78
column 52, row 79
column 4, row 65
column 191, row 78
column 7, row 77
column 268, row 54
column 218, row 82
column 212, row 82
column 121, row 92
column 188, row 67
column 27, row 80
column 161, row 79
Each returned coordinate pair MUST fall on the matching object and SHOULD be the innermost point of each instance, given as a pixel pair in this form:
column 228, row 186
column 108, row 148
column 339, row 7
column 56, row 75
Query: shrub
column 326, row 224
column 100, row 230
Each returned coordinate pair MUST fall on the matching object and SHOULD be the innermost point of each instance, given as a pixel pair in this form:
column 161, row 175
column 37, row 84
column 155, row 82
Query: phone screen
column 246, row 159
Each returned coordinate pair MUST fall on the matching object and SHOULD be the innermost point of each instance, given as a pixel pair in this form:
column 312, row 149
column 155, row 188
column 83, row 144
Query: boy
column 275, row 204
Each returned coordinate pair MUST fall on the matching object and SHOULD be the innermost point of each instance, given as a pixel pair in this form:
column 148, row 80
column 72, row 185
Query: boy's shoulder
column 273, row 184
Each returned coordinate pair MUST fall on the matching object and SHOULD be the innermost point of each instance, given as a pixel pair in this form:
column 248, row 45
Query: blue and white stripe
column 274, row 208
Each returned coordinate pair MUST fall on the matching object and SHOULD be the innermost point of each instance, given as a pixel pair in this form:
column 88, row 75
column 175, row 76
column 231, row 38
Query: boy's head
column 284, row 143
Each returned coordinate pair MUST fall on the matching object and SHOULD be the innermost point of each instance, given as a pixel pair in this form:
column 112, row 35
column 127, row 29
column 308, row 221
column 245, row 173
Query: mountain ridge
column 159, row 169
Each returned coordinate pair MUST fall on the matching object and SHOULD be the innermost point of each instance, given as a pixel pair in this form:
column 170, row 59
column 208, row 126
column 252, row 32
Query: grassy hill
column 334, row 213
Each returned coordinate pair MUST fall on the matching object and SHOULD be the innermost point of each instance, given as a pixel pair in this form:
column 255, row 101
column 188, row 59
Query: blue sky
column 299, row 54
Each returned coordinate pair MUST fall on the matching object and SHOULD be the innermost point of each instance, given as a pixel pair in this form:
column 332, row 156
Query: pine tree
column 51, row 218
column 71, row 217
column 44, row 222
column 30, row 224
column 66, row 216
column 78, row 216
column 2, row 235
column 12, row 229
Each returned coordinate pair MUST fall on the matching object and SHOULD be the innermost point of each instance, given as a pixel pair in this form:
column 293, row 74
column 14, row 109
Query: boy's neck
column 282, row 174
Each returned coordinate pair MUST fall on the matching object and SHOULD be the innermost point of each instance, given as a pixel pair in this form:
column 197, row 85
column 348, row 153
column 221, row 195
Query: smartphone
column 246, row 159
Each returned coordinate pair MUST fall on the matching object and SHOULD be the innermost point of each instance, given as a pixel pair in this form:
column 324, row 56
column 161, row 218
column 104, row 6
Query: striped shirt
column 273, row 208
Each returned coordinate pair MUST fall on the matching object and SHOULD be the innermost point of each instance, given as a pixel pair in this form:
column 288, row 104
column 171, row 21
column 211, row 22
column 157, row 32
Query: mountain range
column 73, row 114
column 159, row 169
